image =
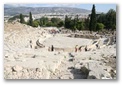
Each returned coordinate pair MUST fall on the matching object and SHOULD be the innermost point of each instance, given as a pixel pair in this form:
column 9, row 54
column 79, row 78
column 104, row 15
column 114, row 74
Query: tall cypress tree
column 30, row 19
column 22, row 19
column 66, row 22
column 93, row 22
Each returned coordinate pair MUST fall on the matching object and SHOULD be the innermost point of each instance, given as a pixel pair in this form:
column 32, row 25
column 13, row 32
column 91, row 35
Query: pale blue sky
column 99, row 7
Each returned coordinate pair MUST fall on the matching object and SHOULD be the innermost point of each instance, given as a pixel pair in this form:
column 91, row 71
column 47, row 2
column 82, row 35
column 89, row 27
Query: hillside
column 38, row 10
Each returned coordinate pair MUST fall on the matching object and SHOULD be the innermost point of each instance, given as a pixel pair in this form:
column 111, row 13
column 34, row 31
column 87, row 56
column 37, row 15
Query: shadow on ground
column 82, row 73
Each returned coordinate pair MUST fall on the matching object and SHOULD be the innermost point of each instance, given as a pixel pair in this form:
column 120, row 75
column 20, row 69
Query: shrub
column 35, row 23
column 99, row 26
column 60, row 24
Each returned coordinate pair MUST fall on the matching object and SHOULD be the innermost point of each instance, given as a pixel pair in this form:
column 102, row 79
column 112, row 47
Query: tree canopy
column 94, row 22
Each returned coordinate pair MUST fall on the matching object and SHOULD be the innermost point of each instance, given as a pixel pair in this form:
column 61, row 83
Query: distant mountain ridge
column 11, row 11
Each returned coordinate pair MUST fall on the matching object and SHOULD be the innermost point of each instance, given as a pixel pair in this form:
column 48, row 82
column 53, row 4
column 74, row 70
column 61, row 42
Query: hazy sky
column 99, row 7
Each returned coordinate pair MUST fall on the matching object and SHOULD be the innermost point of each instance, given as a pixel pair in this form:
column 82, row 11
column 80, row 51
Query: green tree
column 72, row 25
column 80, row 25
column 35, row 23
column 99, row 26
column 76, row 22
column 111, row 19
column 43, row 21
column 55, row 21
column 86, row 24
column 16, row 17
column 60, row 24
column 93, row 22
column 30, row 19
column 67, row 22
column 101, row 18
column 49, row 24
column 22, row 19
column 113, row 27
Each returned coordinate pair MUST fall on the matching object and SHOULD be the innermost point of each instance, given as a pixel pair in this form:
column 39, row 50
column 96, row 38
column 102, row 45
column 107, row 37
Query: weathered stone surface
column 17, row 68
column 27, row 62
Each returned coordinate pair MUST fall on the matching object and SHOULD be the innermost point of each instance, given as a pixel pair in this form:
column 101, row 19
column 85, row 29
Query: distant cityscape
column 49, row 12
